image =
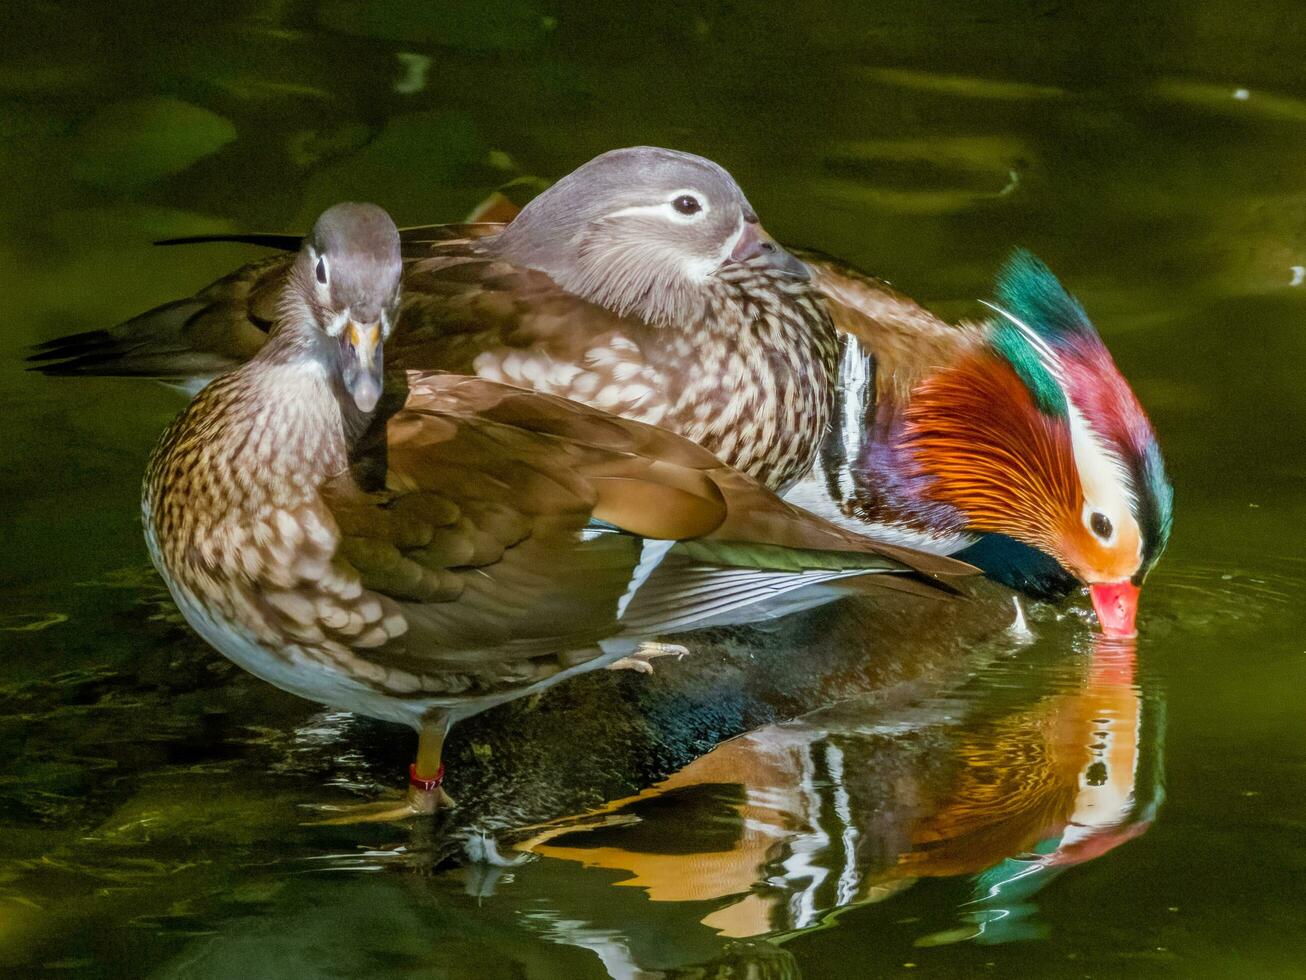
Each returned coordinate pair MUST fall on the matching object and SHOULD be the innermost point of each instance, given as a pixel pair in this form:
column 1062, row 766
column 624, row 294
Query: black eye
column 321, row 271
column 1100, row 524
column 687, row 204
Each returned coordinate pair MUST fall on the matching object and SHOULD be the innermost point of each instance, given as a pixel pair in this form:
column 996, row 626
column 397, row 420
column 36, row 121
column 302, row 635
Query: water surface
column 909, row 792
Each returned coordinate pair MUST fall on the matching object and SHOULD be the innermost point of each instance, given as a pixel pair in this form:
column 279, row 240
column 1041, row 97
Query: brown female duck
column 642, row 284
column 512, row 539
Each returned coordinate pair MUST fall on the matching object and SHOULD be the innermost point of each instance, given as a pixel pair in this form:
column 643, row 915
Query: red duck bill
column 1116, row 605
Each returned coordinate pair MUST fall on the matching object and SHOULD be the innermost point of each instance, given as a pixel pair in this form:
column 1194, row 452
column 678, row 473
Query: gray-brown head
column 642, row 231
column 346, row 279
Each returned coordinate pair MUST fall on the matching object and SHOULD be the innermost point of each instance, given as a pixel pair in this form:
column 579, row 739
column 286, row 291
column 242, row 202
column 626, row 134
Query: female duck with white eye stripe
column 475, row 576
column 641, row 283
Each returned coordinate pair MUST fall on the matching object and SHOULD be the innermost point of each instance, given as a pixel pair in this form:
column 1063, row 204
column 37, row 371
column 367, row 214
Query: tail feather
column 151, row 345
column 286, row 243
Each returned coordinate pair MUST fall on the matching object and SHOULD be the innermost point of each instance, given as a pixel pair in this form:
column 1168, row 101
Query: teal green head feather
column 1098, row 486
column 1037, row 322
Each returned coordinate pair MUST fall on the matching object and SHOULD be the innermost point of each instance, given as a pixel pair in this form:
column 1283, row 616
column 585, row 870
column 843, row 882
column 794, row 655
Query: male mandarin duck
column 642, row 284
column 473, row 542
column 1015, row 443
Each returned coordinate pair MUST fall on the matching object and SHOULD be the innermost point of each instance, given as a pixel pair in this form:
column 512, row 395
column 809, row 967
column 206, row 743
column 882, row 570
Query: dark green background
column 1152, row 153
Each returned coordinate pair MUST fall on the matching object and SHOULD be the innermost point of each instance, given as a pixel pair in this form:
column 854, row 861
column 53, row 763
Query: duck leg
column 426, row 776
column 425, row 793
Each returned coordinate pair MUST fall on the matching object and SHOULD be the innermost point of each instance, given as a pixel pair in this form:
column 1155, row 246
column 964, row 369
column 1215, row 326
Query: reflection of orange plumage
column 761, row 765
column 1068, row 760
column 1060, row 769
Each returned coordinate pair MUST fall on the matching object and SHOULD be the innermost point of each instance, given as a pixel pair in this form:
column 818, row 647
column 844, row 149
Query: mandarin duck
column 986, row 440
column 424, row 551
column 1014, row 443
column 641, row 283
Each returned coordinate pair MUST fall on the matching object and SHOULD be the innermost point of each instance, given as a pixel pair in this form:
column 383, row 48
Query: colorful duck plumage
column 1010, row 442
column 1014, row 443
column 826, row 812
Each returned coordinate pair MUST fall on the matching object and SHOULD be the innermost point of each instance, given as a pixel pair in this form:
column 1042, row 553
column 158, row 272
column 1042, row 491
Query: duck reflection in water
column 793, row 821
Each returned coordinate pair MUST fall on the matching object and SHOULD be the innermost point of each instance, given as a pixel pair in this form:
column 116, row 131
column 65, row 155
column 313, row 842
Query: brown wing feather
column 474, row 570
column 468, row 312
column 626, row 463
column 907, row 341
column 478, row 536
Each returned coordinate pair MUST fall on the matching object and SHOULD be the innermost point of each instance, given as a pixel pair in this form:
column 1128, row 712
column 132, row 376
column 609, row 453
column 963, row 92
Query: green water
column 977, row 804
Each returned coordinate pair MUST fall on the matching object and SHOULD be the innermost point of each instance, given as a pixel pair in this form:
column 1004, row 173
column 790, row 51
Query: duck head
column 642, row 231
column 1034, row 447
column 345, row 285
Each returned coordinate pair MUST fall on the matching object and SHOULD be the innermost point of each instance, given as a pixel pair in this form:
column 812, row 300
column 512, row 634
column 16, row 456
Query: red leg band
column 421, row 782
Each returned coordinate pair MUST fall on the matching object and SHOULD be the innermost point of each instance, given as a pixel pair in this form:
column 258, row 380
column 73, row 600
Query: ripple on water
column 1215, row 593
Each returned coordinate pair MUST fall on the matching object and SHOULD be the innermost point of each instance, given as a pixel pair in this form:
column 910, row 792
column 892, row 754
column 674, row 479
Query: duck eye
column 322, row 270
column 687, row 204
column 1101, row 524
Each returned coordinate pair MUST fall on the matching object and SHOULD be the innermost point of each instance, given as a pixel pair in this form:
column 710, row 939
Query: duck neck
column 268, row 434
column 756, row 373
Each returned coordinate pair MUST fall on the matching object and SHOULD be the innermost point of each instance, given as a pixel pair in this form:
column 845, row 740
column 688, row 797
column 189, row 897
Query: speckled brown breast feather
column 760, row 373
column 235, row 517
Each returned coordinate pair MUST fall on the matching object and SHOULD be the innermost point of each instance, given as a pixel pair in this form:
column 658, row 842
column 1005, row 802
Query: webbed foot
column 641, row 659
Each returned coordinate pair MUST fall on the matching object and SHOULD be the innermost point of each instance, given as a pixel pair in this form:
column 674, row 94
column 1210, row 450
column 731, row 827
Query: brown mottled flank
column 467, row 577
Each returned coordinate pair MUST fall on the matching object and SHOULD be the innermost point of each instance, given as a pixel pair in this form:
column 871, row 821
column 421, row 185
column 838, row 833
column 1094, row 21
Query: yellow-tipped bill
column 361, row 363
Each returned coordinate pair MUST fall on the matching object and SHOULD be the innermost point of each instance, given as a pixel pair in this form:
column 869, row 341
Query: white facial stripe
column 1045, row 353
column 665, row 209
column 1101, row 472
column 640, row 209
column 1103, row 477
